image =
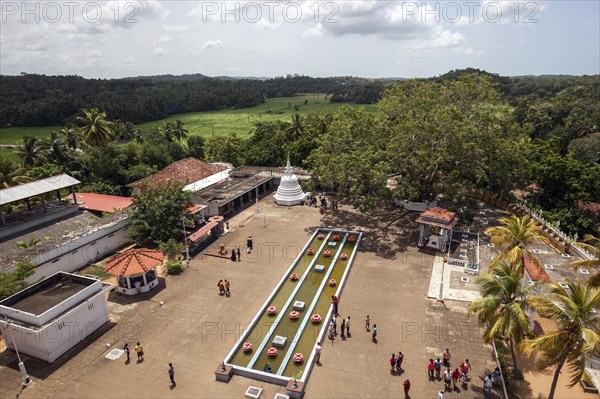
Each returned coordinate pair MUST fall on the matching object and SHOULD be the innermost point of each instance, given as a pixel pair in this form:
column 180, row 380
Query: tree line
column 39, row 100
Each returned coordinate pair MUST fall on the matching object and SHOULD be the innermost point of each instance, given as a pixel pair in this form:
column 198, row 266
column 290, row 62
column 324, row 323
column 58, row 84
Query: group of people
column 344, row 328
column 223, row 286
column 138, row 350
column 368, row 328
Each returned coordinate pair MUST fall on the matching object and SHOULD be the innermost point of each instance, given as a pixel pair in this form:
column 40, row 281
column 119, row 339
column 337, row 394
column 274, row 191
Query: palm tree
column 96, row 129
column 167, row 131
column 178, row 131
column 10, row 174
column 324, row 119
column 296, row 128
column 577, row 336
column 54, row 149
column 29, row 151
column 592, row 245
column 512, row 239
column 71, row 136
column 501, row 308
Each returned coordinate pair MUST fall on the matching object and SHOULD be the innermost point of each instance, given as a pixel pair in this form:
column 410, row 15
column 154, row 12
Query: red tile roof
column 186, row 171
column 590, row 206
column 535, row 273
column 134, row 261
column 438, row 217
column 102, row 202
column 202, row 231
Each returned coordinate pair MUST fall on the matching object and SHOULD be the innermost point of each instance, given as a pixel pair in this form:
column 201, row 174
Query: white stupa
column 289, row 191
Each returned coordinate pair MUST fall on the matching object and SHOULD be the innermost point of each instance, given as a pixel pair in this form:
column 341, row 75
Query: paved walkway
column 196, row 328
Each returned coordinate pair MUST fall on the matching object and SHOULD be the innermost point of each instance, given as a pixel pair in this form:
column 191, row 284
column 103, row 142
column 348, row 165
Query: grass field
column 208, row 124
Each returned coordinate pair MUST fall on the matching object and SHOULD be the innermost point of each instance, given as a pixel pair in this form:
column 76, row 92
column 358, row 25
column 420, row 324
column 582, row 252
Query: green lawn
column 12, row 135
column 217, row 123
column 8, row 154
column 241, row 121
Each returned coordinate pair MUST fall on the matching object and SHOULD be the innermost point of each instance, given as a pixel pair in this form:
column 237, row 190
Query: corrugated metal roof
column 35, row 188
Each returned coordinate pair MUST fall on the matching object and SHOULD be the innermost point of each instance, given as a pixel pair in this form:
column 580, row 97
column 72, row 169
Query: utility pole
column 187, row 248
column 24, row 374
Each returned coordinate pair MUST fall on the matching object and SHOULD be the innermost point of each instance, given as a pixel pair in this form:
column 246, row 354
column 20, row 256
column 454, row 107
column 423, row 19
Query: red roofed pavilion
column 436, row 228
column 135, row 270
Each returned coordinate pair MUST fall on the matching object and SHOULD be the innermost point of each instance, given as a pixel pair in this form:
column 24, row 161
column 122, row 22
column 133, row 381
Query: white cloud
column 264, row 24
column 316, row 31
column 161, row 51
column 175, row 28
column 212, row 44
column 164, row 39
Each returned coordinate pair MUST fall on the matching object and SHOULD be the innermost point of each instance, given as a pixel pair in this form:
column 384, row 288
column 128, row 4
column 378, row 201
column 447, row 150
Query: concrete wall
column 82, row 251
column 54, row 339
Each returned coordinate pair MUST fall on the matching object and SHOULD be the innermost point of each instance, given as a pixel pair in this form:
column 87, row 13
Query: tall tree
column 159, row 213
column 501, row 308
column 72, row 137
column 592, row 245
column 296, row 128
column 11, row 174
column 513, row 238
column 54, row 149
column 224, row 149
column 28, row 151
column 179, row 132
column 576, row 337
column 96, row 129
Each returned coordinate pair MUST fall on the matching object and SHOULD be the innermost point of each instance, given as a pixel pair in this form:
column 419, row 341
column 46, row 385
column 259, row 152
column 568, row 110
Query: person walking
column 221, row 287
column 318, row 353
column 399, row 360
column 465, row 367
column 488, row 384
column 172, row 373
column 447, row 378
column 249, row 244
column 140, row 352
column 126, row 350
column 430, row 369
column 367, row 323
column 438, row 368
column 374, row 332
column 446, row 356
column 226, row 284
column 343, row 329
column 239, row 255
column 335, row 301
column 393, row 362
column 406, row 387
column 455, row 377
column 441, row 395
column 348, row 326
column 334, row 325
column 233, row 256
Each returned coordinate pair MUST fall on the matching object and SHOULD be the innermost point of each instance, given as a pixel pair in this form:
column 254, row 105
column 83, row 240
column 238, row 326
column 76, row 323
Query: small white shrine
column 289, row 191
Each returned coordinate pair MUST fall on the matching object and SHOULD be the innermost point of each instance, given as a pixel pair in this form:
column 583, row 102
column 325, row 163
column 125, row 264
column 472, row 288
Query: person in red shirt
column 431, row 369
column 335, row 301
column 393, row 362
column 466, row 367
column 455, row 375
column 406, row 387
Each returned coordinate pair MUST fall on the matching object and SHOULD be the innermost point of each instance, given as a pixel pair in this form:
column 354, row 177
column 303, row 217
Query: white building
column 289, row 191
column 50, row 317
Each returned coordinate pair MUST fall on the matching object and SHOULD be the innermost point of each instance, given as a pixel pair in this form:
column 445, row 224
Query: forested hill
column 39, row 100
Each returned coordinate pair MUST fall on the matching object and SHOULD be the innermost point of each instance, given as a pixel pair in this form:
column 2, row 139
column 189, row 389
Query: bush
column 174, row 266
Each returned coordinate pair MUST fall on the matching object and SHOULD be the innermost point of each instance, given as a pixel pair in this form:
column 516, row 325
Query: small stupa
column 289, row 191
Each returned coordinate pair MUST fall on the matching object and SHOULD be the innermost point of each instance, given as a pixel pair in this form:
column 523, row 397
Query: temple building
column 289, row 191
column 436, row 229
column 50, row 317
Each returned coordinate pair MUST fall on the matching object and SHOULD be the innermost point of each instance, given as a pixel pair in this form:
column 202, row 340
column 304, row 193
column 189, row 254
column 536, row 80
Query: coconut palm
column 577, row 335
column 10, row 174
column 71, row 136
column 96, row 129
column 592, row 245
column 178, row 131
column 296, row 128
column 501, row 308
column 28, row 151
column 512, row 239
column 324, row 119
column 166, row 130
column 53, row 149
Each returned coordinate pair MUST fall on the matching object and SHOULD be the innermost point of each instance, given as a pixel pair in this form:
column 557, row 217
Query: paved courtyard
column 195, row 328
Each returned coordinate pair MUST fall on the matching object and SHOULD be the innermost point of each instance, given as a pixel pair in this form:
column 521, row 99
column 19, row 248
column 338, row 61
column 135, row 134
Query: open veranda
column 187, row 323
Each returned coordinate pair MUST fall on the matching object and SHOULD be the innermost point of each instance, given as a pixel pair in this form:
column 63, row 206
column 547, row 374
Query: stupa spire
column 289, row 191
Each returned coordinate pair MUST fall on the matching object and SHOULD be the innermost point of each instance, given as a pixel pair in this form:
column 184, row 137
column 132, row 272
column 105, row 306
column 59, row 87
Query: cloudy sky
column 275, row 38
